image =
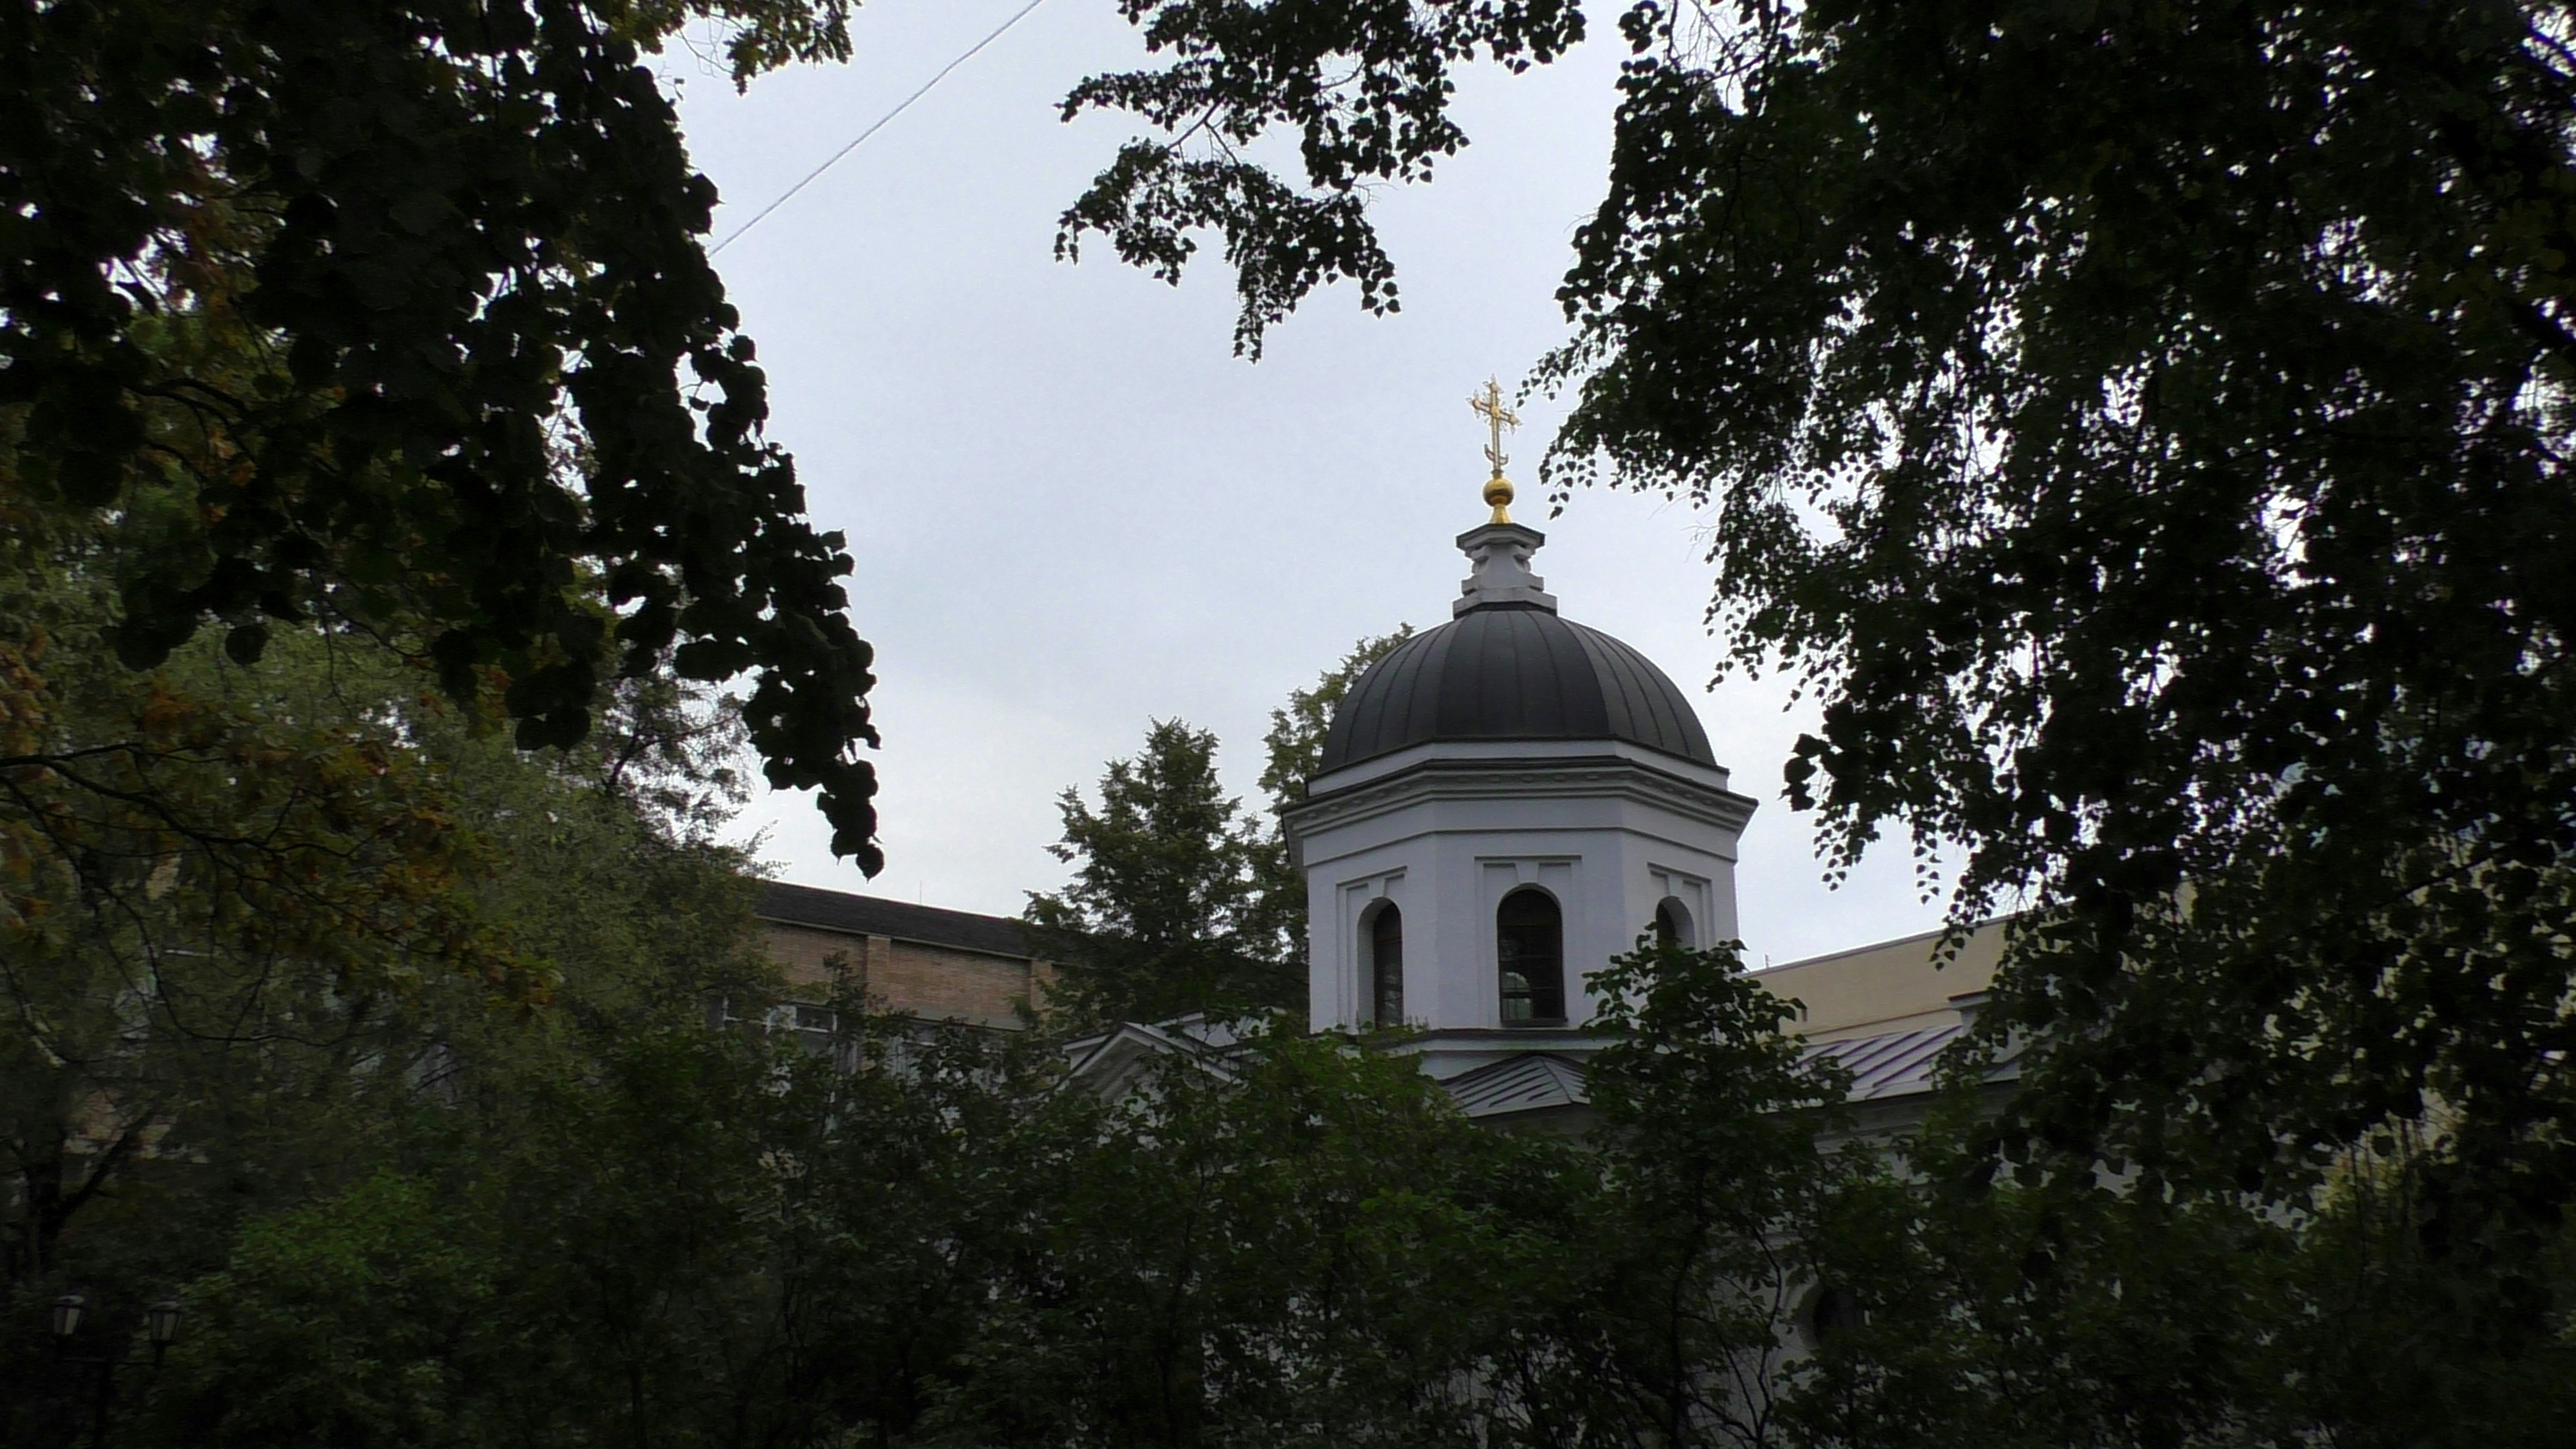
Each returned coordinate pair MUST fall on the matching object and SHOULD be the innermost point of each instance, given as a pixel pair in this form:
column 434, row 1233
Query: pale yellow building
column 913, row 960
column 1893, row 986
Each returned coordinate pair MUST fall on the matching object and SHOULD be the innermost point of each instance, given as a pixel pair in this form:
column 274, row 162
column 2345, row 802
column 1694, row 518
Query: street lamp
column 161, row 1321
column 160, row 1326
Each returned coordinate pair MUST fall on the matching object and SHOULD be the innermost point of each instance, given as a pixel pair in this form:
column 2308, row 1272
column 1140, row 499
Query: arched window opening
column 1829, row 1315
column 1386, row 966
column 1673, row 924
column 1529, row 940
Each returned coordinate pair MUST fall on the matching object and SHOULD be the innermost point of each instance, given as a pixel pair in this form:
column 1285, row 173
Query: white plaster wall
column 1447, row 861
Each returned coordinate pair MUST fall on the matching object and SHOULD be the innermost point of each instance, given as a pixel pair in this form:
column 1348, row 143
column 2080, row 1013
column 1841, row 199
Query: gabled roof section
column 796, row 905
column 1898, row 1064
column 1883, row 1067
column 1894, row 1064
column 1529, row 1082
column 1902, row 1063
column 1109, row 1063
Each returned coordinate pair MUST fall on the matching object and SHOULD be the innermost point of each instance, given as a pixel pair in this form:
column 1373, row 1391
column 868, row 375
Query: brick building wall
column 920, row 961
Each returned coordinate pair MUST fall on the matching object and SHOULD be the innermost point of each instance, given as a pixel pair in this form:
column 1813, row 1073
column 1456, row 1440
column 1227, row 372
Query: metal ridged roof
column 1530, row 1082
column 1511, row 673
column 1898, row 1064
column 1895, row 1064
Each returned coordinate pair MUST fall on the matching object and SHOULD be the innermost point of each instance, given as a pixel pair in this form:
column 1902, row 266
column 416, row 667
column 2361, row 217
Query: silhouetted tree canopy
column 2141, row 429
column 405, row 311
column 1163, row 914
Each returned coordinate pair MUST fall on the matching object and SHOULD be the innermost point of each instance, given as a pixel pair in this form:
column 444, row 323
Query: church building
column 1512, row 798
column 1505, row 802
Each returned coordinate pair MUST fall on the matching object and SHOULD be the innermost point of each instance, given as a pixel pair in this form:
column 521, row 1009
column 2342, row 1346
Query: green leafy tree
column 1295, row 745
column 329, row 1318
column 1167, row 855
column 271, row 915
column 384, row 343
column 1161, row 917
column 606, row 1222
column 404, row 312
column 933, row 1240
column 2069, row 1311
column 586, row 1255
column 2141, row 429
column 1303, row 1242
column 1718, row 1178
column 1365, row 88
column 203, row 857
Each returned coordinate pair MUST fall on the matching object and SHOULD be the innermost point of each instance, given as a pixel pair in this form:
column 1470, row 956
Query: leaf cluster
column 2106, row 1311
column 2142, row 430
column 1163, row 914
column 260, row 922
column 1364, row 88
column 699, row 1240
column 1294, row 746
column 401, row 315
column 932, row 1237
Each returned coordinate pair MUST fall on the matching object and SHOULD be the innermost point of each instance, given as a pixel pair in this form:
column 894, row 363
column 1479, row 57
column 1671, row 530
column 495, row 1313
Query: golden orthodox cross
column 1489, row 406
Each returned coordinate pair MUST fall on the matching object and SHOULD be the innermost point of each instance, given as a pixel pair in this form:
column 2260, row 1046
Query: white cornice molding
column 1387, row 766
column 1574, row 1041
column 1559, row 777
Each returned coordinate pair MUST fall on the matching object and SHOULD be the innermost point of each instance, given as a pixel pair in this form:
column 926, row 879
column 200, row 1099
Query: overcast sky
column 1074, row 510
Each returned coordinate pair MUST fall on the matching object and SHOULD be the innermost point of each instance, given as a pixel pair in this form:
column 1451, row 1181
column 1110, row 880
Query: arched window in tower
column 1673, row 924
column 1386, row 966
column 1529, row 942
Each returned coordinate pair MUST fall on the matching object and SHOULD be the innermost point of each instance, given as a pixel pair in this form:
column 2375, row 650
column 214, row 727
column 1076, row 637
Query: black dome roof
column 1505, row 673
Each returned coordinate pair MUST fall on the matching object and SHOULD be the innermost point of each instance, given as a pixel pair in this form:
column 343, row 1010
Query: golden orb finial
column 1489, row 406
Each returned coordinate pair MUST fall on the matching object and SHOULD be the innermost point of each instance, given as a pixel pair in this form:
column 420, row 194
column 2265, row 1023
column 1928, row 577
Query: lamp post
column 160, row 1326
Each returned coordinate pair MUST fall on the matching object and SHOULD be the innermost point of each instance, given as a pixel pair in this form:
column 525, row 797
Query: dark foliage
column 1163, row 915
column 2142, row 429
column 1365, row 87
column 476, row 378
column 1295, row 745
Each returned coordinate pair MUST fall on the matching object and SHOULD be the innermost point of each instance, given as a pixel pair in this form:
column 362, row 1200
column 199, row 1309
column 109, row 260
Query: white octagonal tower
column 1506, row 801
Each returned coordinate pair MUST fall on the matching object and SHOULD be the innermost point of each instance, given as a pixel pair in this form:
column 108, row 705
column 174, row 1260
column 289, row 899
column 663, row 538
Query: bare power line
column 875, row 126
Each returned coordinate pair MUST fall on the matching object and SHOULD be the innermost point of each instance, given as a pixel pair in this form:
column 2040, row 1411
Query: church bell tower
column 1505, row 802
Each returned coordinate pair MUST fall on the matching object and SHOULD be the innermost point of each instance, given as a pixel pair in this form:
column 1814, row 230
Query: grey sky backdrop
column 1073, row 509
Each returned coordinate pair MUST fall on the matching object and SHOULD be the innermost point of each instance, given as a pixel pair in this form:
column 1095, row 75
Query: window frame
column 1373, row 980
column 1532, row 991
